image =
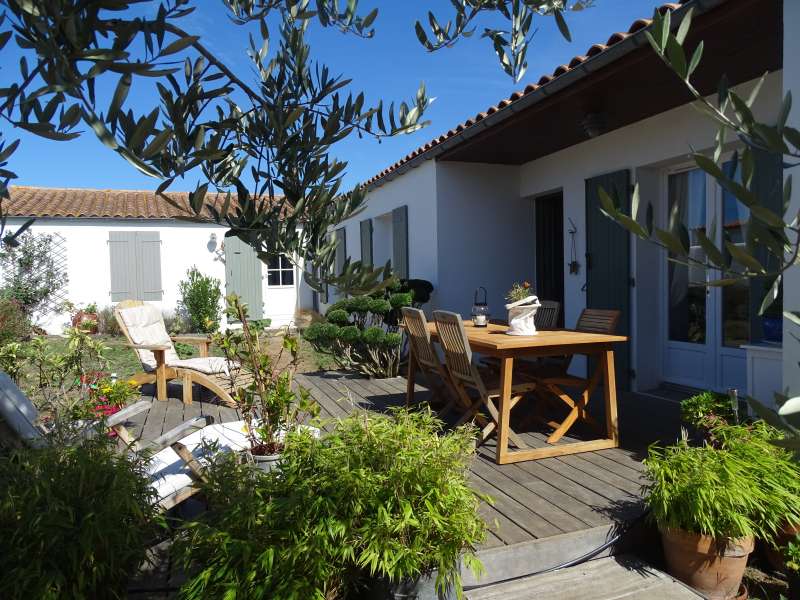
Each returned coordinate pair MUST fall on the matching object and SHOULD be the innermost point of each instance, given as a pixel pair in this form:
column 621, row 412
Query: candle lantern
column 480, row 309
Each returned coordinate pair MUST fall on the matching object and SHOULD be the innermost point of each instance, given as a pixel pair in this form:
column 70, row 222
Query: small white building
column 120, row 245
column 512, row 195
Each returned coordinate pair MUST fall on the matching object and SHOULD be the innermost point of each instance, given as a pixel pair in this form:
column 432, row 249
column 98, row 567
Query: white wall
column 649, row 143
column 485, row 235
column 791, row 281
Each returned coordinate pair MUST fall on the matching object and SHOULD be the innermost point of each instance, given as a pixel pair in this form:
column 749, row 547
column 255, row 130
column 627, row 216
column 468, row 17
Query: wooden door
column 608, row 270
column 243, row 275
column 549, row 215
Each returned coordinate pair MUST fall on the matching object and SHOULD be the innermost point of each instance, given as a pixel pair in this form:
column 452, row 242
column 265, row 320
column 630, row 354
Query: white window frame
column 284, row 265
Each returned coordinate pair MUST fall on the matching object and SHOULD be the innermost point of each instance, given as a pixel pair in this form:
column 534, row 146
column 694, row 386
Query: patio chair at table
column 427, row 360
column 465, row 375
column 143, row 326
column 551, row 375
column 176, row 458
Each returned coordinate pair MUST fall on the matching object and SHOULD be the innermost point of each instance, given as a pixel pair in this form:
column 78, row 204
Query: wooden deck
column 545, row 512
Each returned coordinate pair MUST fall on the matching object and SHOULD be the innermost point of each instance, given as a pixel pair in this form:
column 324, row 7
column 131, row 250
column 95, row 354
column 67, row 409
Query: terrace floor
column 545, row 512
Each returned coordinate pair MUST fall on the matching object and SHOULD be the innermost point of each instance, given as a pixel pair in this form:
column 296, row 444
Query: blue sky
column 465, row 80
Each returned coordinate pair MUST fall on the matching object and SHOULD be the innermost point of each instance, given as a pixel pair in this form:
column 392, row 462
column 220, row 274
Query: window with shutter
column 400, row 241
column 135, row 265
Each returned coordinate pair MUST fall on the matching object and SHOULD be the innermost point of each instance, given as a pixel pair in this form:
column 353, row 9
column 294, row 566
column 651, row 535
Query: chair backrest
column 598, row 320
column 420, row 337
column 546, row 316
column 143, row 324
column 454, row 342
column 18, row 413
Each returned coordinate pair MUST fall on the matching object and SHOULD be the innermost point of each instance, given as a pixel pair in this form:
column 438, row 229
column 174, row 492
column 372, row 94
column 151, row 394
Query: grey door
column 549, row 211
column 608, row 278
column 243, row 275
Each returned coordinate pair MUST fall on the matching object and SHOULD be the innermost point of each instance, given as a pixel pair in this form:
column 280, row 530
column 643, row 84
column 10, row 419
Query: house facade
column 117, row 245
column 512, row 195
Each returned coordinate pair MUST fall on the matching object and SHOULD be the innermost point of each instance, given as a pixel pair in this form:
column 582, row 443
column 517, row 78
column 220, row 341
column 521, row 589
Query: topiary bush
column 201, row 297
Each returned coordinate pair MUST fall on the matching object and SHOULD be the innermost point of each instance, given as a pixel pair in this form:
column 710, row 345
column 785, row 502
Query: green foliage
column 185, row 350
column 32, row 274
column 373, row 335
column 200, row 297
column 107, row 323
column 792, row 555
column 270, row 403
column 75, row 522
column 707, row 409
column 519, row 291
column 380, row 306
column 338, row 316
column 383, row 496
column 400, row 300
column 741, row 485
column 14, row 323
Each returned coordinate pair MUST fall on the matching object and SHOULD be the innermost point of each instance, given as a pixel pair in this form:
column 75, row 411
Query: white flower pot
column 521, row 316
column 267, row 462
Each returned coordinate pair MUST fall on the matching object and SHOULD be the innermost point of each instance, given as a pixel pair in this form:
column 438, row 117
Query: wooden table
column 492, row 341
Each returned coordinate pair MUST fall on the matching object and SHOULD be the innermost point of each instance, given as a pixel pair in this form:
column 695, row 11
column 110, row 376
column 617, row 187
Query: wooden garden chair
column 175, row 460
column 427, row 360
column 465, row 376
column 551, row 376
column 143, row 326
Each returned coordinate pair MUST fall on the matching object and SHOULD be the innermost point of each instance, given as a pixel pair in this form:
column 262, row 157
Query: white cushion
column 210, row 365
column 146, row 327
column 171, row 475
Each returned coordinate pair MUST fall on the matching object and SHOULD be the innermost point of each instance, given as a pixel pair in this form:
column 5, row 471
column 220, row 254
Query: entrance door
column 243, row 275
column 549, row 215
column 608, row 278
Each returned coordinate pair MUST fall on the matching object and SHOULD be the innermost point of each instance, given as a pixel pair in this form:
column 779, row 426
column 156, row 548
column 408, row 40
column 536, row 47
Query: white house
column 512, row 195
column 119, row 245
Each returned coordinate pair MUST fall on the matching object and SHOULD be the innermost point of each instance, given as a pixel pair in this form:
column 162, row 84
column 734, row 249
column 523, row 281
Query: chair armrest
column 151, row 347
column 191, row 338
column 128, row 412
column 178, row 433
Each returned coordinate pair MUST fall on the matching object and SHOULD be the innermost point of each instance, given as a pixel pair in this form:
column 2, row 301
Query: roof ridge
column 576, row 60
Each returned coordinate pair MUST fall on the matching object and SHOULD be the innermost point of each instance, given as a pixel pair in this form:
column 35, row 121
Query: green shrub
column 381, row 496
column 379, row 306
column 399, row 300
column 373, row 335
column 338, row 317
column 14, row 323
column 350, row 334
column 200, row 301
column 707, row 409
column 359, row 304
column 107, row 323
column 74, row 521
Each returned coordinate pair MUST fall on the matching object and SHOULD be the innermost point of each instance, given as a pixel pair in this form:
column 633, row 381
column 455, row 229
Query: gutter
column 586, row 68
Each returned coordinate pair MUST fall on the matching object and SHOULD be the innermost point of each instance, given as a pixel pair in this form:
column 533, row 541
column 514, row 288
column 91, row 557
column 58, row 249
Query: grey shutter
column 767, row 185
column 366, row 242
column 122, row 250
column 243, row 275
column 608, row 261
column 148, row 265
column 341, row 250
column 400, row 241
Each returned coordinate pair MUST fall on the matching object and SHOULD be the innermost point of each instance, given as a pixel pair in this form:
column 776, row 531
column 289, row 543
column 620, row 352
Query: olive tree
column 263, row 137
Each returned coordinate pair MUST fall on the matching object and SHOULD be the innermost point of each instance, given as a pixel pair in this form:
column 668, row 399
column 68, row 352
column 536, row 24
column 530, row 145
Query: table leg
column 410, row 376
column 504, row 410
column 610, row 394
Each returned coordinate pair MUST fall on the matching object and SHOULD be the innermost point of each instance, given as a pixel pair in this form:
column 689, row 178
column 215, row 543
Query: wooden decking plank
column 154, row 425
column 173, row 415
column 577, row 461
column 323, row 397
column 587, row 480
column 615, row 467
column 502, row 527
column 536, row 503
column 624, row 457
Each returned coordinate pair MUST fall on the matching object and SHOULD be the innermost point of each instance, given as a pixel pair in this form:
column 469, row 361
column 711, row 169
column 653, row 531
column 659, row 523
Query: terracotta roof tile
column 28, row 201
column 576, row 61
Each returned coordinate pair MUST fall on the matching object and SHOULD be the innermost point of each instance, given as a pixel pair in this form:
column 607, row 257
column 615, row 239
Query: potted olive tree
column 710, row 503
column 270, row 402
column 377, row 508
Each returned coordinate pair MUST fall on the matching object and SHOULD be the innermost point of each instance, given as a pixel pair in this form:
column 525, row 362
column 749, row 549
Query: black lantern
column 480, row 310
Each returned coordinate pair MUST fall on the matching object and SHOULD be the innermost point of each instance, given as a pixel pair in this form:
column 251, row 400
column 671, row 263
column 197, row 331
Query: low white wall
column 485, row 235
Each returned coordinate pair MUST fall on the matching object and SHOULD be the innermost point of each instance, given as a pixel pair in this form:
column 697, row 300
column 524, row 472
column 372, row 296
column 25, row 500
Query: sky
column 464, row 80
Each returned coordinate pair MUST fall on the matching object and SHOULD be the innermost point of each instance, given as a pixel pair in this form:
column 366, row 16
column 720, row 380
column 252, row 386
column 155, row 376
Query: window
column 280, row 271
column 135, row 265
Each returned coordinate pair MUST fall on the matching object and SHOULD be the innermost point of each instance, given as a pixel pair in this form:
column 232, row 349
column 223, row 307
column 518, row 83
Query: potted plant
column 270, row 403
column 710, row 503
column 86, row 318
column 706, row 410
column 379, row 506
column 522, row 306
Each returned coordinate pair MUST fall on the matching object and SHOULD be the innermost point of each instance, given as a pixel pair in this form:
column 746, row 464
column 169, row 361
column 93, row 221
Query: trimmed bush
column 201, row 298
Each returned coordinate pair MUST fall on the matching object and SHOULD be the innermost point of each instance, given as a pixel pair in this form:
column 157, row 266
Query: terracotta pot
column 86, row 321
column 774, row 555
column 712, row 567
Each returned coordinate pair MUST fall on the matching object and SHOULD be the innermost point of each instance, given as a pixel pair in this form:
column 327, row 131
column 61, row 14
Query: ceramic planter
column 521, row 315
column 266, row 462
column 422, row 588
column 712, row 567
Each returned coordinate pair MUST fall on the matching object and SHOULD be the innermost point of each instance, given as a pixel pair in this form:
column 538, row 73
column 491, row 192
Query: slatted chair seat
column 143, row 326
column 466, row 377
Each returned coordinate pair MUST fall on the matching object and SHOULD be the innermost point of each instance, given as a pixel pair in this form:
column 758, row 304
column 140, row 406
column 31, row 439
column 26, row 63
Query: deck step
column 609, row 578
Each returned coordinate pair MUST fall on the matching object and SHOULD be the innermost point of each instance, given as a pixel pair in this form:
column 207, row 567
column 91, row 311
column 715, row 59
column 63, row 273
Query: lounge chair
column 143, row 326
column 178, row 456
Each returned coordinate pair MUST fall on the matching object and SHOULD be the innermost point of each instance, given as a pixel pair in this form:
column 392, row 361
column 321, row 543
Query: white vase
column 521, row 315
